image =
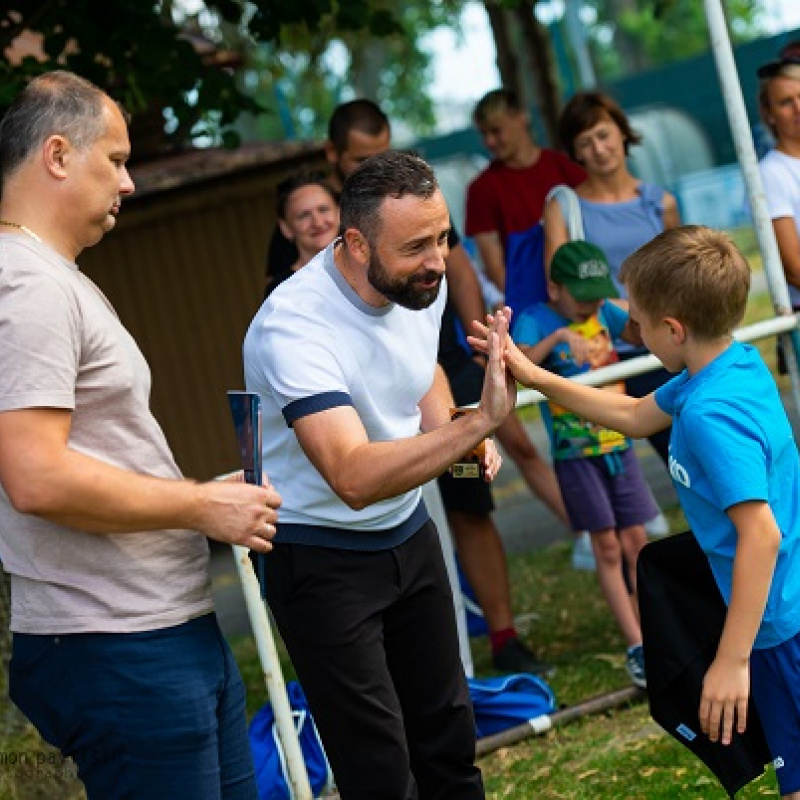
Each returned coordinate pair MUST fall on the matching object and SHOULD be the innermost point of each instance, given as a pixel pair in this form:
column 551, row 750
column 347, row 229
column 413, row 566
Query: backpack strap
column 570, row 209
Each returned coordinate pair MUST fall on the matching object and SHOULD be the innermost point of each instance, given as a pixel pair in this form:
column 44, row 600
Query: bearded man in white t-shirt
column 356, row 419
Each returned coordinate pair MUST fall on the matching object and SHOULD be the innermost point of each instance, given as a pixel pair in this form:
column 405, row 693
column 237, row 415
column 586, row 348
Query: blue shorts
column 596, row 499
column 775, row 684
column 158, row 714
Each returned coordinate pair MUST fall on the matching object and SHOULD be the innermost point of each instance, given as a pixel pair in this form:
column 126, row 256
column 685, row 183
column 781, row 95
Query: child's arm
column 578, row 346
column 726, row 685
column 628, row 415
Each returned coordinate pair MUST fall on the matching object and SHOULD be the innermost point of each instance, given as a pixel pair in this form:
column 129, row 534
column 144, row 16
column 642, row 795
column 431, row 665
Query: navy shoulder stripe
column 314, row 404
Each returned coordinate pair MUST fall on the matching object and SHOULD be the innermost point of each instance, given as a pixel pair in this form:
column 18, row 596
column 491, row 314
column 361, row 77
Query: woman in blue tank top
column 620, row 213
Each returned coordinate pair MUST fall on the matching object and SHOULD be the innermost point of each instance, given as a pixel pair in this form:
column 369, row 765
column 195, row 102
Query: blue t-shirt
column 572, row 436
column 732, row 442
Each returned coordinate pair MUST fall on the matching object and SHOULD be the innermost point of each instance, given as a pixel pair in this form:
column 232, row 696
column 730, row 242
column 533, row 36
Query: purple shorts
column 774, row 681
column 597, row 498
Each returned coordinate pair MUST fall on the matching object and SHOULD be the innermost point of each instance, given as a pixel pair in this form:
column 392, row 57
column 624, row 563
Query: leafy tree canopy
column 303, row 73
column 142, row 53
column 289, row 62
column 632, row 35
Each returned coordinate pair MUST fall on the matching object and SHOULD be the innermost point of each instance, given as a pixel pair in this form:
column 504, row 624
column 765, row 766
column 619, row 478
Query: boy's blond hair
column 694, row 274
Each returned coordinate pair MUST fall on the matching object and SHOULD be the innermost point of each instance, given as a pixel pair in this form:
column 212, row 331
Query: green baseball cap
column 583, row 268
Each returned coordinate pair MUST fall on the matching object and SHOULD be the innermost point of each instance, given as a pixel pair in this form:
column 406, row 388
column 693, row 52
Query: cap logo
column 594, row 268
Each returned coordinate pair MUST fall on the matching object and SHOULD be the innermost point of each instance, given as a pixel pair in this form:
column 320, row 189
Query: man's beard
column 403, row 291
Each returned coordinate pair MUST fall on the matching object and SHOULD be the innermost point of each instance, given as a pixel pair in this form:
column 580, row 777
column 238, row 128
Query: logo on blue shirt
column 679, row 473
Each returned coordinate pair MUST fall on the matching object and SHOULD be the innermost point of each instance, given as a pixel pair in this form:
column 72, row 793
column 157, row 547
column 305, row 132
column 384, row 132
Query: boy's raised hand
column 499, row 390
column 479, row 341
column 515, row 361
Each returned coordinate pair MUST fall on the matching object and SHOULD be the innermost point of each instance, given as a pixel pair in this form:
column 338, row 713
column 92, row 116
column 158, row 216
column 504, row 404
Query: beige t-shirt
column 62, row 346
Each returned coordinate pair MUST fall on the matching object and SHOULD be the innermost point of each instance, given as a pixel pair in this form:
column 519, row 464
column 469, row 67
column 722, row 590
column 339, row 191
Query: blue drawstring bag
column 526, row 278
column 526, row 274
column 272, row 776
column 509, row 700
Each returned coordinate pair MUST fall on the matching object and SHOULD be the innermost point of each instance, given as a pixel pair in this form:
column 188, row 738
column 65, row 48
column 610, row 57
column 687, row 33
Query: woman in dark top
column 308, row 217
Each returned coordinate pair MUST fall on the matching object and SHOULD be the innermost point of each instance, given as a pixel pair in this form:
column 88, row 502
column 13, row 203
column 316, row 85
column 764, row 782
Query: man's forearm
column 378, row 470
column 91, row 495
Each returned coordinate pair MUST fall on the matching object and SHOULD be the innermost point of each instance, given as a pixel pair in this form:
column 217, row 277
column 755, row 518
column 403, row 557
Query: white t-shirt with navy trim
column 314, row 345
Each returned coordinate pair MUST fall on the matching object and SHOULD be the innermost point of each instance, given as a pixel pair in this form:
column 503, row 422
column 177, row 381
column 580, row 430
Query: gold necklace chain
column 22, row 228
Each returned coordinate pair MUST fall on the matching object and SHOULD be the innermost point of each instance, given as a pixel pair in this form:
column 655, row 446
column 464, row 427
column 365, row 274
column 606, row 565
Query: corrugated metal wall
column 185, row 270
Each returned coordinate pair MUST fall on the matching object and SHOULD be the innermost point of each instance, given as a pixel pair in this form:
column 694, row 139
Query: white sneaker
column 582, row 553
column 658, row 527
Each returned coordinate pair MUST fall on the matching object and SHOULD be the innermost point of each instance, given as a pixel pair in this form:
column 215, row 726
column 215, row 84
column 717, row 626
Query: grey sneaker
column 514, row 656
column 634, row 663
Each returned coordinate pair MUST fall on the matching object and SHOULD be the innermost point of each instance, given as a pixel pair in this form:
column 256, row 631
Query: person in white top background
column 779, row 104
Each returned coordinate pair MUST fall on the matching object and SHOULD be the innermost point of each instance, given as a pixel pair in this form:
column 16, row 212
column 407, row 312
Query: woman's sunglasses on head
column 772, row 68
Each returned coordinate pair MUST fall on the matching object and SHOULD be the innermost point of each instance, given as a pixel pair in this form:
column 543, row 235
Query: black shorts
column 470, row 495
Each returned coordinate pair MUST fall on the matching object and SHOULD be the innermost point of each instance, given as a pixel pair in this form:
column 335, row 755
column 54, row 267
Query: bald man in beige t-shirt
column 117, row 655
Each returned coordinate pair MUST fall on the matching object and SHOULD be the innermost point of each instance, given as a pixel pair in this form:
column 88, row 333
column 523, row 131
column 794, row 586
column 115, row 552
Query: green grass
column 745, row 239
column 616, row 754
column 29, row 768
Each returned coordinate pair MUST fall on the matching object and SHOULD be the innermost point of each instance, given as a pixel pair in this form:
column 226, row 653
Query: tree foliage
column 142, row 51
column 289, row 62
column 633, row 35
column 302, row 74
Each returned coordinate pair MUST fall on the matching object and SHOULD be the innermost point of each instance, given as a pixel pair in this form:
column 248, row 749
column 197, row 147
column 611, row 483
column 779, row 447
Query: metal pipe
column 246, row 413
column 273, row 675
column 647, row 363
column 746, row 154
column 545, row 722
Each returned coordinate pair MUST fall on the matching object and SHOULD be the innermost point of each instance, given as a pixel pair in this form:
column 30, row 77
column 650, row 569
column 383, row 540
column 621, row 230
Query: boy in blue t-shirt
column 735, row 466
column 600, row 477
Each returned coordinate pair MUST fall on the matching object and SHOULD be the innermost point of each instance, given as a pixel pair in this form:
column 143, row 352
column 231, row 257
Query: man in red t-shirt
column 508, row 196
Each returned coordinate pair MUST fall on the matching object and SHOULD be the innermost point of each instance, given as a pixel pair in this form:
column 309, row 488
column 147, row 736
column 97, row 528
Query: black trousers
column 372, row 637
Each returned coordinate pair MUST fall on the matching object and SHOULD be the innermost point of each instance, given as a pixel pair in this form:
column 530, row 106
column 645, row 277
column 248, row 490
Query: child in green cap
column 600, row 477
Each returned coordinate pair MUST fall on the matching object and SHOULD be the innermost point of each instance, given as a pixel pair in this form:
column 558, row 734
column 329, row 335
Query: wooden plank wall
column 184, row 269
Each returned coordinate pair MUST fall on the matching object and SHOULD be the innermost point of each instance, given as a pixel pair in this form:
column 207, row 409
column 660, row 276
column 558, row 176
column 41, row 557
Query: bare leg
column 608, row 556
column 481, row 555
column 535, row 470
column 632, row 539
